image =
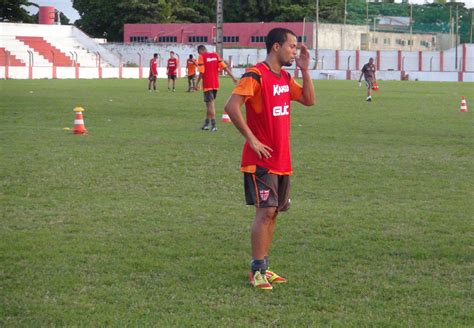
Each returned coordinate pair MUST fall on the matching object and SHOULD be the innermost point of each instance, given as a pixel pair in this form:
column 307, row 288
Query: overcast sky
column 65, row 6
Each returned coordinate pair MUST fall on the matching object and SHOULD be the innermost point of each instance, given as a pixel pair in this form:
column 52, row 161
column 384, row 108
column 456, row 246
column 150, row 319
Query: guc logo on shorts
column 264, row 194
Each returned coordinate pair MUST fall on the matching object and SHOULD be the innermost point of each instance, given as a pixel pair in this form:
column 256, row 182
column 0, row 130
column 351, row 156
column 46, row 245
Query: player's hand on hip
column 261, row 149
column 302, row 61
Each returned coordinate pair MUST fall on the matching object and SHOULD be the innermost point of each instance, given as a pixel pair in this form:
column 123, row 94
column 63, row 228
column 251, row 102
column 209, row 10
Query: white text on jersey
column 281, row 110
column 278, row 89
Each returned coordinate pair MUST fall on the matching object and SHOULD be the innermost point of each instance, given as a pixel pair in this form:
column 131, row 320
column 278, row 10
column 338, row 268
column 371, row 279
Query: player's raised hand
column 302, row 61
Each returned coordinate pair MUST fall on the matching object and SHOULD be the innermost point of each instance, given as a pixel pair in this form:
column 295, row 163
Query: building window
column 138, row 39
column 300, row 38
column 410, row 42
column 375, row 40
column 424, row 43
column 167, row 39
column 401, row 42
column 386, row 41
column 230, row 39
column 197, row 39
column 256, row 39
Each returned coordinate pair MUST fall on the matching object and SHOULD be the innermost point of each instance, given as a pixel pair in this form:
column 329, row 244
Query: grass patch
column 142, row 221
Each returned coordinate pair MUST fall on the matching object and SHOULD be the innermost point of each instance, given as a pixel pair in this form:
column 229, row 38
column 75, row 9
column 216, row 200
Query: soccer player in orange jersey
column 209, row 64
column 267, row 90
column 191, row 66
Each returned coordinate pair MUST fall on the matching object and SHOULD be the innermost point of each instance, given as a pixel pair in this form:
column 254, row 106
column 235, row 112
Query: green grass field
column 143, row 223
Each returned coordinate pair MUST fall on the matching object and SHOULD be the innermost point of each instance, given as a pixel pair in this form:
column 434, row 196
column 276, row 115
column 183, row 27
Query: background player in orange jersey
column 191, row 66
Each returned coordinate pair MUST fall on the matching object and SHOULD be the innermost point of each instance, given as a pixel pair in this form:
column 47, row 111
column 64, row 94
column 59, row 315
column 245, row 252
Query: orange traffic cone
column 225, row 118
column 463, row 105
column 79, row 127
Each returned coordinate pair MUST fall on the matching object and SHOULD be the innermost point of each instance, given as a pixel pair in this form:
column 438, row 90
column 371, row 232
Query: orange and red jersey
column 172, row 66
column 209, row 64
column 153, row 66
column 191, row 66
column 267, row 104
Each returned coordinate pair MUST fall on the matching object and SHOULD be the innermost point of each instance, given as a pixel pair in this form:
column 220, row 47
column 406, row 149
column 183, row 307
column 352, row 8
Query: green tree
column 101, row 18
column 14, row 11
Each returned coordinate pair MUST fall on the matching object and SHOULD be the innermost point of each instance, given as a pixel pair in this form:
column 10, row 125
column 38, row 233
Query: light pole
column 316, row 43
column 411, row 26
column 345, row 11
column 457, row 31
column 219, row 24
column 472, row 23
column 343, row 31
column 367, row 22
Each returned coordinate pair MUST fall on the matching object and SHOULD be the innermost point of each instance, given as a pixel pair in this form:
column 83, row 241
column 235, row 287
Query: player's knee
column 266, row 215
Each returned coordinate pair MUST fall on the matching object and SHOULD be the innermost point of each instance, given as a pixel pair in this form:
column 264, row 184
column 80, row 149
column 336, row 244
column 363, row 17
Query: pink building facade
column 234, row 34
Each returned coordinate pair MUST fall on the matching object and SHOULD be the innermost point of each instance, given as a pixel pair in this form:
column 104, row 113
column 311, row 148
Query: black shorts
column 369, row 83
column 210, row 95
column 152, row 77
column 264, row 189
column 191, row 77
column 172, row 77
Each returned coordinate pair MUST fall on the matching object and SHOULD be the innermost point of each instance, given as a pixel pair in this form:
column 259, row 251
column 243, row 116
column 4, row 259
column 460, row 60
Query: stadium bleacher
column 64, row 44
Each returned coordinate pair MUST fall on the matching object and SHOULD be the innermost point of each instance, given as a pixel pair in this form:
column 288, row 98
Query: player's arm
column 229, row 72
column 233, row 109
column 362, row 73
column 198, row 81
column 201, row 70
column 308, row 97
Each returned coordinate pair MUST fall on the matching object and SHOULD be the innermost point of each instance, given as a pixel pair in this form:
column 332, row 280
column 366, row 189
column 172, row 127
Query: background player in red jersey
column 209, row 64
column 267, row 90
column 153, row 72
column 172, row 68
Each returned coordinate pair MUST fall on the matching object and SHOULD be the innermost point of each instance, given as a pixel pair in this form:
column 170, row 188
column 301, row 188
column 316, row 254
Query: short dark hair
column 172, row 52
column 155, row 55
column 202, row 48
column 190, row 56
column 277, row 35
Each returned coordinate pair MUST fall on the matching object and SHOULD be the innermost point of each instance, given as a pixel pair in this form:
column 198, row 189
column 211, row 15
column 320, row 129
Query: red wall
column 244, row 31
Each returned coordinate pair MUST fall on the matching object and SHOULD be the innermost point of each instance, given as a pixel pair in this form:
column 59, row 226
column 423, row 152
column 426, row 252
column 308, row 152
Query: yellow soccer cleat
column 272, row 277
column 259, row 280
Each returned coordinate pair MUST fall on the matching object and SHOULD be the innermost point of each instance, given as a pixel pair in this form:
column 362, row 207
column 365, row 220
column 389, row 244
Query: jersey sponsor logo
column 264, row 194
column 279, row 89
column 208, row 60
column 281, row 110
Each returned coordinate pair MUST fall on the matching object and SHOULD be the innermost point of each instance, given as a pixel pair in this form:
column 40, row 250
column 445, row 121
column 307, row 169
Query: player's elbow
column 229, row 109
column 311, row 102
column 308, row 101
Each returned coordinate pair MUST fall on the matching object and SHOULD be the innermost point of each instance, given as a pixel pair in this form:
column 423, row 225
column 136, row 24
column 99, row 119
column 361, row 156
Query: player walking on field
column 172, row 67
column 153, row 72
column 209, row 64
column 267, row 90
column 368, row 71
column 191, row 66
